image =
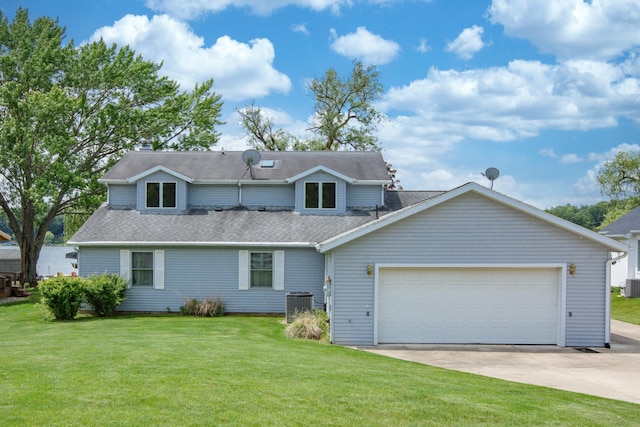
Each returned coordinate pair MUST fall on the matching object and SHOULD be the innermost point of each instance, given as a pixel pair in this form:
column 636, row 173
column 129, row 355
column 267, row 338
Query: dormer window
column 320, row 195
column 161, row 194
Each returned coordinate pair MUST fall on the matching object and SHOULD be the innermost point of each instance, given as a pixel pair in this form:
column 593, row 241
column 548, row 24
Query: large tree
column 345, row 116
column 619, row 178
column 68, row 113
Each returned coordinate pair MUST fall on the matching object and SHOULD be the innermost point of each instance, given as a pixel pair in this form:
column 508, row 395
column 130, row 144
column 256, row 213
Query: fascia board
column 155, row 169
column 194, row 243
column 321, row 169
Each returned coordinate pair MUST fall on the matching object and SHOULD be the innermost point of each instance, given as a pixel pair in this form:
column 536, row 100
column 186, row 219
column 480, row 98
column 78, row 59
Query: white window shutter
column 278, row 271
column 243, row 270
column 158, row 269
column 125, row 265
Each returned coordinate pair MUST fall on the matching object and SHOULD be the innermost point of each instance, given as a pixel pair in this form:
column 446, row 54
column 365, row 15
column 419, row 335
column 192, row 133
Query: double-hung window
column 261, row 269
column 161, row 194
column 142, row 268
column 320, row 195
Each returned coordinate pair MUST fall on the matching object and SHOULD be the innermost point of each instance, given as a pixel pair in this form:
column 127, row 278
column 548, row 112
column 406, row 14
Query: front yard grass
column 625, row 309
column 187, row 371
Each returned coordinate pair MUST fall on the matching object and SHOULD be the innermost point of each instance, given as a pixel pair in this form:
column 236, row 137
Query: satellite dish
column 491, row 174
column 250, row 158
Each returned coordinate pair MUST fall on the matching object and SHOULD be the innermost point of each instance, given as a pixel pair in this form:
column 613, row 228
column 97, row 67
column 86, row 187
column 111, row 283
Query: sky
column 543, row 90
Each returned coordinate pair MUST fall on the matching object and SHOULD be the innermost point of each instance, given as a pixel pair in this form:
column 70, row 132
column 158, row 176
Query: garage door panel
column 462, row 305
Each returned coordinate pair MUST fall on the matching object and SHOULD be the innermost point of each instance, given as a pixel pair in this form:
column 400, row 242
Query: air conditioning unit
column 298, row 302
column 631, row 288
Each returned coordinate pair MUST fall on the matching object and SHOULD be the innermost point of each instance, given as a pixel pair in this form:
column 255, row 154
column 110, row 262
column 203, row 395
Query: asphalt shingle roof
column 238, row 225
column 624, row 224
column 216, row 166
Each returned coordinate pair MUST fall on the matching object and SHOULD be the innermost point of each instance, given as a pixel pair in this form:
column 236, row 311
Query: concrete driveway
column 613, row 373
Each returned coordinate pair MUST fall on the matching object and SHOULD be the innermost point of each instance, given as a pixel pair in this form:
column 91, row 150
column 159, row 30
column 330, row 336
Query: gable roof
column 217, row 166
column 393, row 217
column 321, row 168
column 629, row 223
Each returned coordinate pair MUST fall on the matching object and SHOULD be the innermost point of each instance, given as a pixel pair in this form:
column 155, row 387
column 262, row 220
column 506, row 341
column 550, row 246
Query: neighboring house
column 626, row 229
column 468, row 265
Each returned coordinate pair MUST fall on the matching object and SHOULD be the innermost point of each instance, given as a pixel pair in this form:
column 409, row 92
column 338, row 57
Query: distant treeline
column 598, row 216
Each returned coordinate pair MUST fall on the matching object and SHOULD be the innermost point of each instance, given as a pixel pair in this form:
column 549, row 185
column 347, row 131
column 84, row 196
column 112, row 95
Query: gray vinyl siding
column 363, row 196
column 193, row 272
column 98, row 261
column 270, row 196
column 181, row 190
column 122, row 195
column 469, row 229
column 211, row 196
column 341, row 197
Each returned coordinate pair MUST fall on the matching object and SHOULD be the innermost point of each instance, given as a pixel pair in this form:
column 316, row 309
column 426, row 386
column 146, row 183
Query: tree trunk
column 30, row 253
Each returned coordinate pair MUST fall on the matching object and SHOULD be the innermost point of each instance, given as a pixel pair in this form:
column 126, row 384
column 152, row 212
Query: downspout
column 239, row 193
column 607, row 309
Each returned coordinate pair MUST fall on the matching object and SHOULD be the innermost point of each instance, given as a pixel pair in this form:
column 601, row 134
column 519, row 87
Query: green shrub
column 209, row 307
column 105, row 292
column 311, row 325
column 62, row 296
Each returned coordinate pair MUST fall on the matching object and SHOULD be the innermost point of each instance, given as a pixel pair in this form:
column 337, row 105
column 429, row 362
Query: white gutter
column 607, row 299
column 201, row 244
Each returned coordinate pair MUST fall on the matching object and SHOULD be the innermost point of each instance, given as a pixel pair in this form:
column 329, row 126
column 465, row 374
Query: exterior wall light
column 572, row 269
column 369, row 270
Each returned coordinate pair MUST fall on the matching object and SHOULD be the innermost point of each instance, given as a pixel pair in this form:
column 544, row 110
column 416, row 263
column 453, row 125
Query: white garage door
column 468, row 305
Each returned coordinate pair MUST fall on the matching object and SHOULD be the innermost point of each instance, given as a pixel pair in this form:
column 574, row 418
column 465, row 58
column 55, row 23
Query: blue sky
column 543, row 90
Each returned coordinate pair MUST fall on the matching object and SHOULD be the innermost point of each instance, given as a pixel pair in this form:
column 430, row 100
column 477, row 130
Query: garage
column 469, row 304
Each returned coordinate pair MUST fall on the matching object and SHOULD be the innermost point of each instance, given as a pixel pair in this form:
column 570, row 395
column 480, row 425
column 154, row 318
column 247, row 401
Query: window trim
column 133, row 268
column 244, row 270
column 251, row 270
column 320, row 194
column 126, row 267
column 160, row 195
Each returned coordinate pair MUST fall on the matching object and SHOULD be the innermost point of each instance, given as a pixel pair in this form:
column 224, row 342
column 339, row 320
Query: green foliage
column 62, row 296
column 619, row 208
column 209, row 307
column 68, row 114
column 310, row 325
column 588, row 216
column 262, row 130
column 620, row 177
column 105, row 292
column 345, row 116
column 48, row 238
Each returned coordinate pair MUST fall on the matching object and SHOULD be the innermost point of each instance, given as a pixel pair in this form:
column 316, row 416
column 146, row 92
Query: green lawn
column 182, row 371
column 625, row 309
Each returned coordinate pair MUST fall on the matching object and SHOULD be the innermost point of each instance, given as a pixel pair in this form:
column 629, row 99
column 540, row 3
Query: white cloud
column 596, row 29
column 468, row 42
column 300, row 28
column 517, row 101
column 188, row 9
column 571, row 158
column 240, row 70
column 548, row 152
column 423, row 46
column 370, row 48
